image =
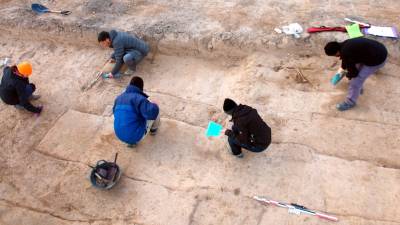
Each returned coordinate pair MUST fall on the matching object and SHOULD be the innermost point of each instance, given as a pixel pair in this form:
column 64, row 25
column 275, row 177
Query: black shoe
column 18, row 106
column 153, row 132
column 239, row 155
column 131, row 70
column 131, row 145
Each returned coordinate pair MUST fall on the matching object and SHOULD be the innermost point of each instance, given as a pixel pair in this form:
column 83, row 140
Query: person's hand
column 349, row 76
column 33, row 87
column 107, row 75
column 228, row 133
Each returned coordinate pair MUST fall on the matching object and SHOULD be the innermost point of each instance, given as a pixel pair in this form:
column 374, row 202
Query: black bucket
column 105, row 174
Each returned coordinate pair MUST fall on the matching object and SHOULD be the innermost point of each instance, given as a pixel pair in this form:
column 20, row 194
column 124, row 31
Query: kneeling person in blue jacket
column 134, row 115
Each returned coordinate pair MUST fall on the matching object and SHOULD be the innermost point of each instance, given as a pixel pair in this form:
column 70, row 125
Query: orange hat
column 25, row 68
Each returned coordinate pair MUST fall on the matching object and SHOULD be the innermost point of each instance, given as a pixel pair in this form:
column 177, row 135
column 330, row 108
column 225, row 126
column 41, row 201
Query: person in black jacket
column 249, row 131
column 15, row 88
column 361, row 57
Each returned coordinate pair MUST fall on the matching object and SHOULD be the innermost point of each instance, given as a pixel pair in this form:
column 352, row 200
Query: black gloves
column 33, row 87
column 229, row 133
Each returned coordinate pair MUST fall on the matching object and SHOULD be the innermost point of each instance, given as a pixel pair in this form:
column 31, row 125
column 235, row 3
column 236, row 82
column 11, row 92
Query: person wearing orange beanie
column 15, row 88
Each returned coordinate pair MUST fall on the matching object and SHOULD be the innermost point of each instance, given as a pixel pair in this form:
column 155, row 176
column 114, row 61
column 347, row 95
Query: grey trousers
column 151, row 125
column 357, row 83
column 132, row 58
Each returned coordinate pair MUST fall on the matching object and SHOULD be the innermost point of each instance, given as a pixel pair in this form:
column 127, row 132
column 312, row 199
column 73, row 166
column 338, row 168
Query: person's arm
column 241, row 135
column 351, row 68
column 118, row 56
column 349, row 65
column 148, row 109
column 24, row 99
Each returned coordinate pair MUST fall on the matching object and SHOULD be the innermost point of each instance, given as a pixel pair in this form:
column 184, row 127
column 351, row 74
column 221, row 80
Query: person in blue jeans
column 127, row 49
column 134, row 115
column 15, row 88
column 361, row 57
column 248, row 131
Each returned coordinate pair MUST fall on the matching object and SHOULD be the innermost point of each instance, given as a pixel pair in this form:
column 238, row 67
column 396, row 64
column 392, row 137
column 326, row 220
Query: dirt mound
column 107, row 7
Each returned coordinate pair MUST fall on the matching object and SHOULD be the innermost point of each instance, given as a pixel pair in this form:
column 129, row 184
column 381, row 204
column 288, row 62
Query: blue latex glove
column 337, row 78
column 107, row 75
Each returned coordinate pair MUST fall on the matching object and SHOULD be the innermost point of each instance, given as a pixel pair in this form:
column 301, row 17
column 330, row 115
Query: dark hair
column 332, row 48
column 137, row 82
column 104, row 35
column 229, row 106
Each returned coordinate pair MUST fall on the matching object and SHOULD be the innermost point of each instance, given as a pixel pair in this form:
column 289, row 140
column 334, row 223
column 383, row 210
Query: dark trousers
column 12, row 98
column 29, row 90
column 236, row 147
column 132, row 58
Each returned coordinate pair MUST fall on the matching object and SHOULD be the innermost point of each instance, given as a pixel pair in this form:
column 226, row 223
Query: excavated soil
column 344, row 163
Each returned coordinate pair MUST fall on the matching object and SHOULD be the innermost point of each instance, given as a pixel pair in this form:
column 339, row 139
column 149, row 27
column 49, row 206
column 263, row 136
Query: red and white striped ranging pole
column 296, row 209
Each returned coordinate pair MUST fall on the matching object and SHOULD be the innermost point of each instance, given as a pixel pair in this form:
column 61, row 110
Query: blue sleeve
column 148, row 109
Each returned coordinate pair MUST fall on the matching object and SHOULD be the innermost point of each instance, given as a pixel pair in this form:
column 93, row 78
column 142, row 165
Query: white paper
column 382, row 31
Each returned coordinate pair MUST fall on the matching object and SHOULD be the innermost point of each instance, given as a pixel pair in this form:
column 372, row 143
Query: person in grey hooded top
column 127, row 49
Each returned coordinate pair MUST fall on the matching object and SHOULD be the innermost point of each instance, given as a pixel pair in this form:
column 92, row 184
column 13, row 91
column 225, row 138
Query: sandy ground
column 346, row 164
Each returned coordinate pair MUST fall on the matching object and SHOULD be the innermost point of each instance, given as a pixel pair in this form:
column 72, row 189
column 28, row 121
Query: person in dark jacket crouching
column 361, row 57
column 127, row 49
column 134, row 115
column 249, row 131
column 15, row 88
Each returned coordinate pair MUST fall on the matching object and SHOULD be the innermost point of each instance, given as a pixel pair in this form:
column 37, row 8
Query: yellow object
column 25, row 68
column 354, row 31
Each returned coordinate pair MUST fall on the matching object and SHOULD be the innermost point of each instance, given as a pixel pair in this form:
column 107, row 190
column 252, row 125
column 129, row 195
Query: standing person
column 15, row 88
column 361, row 58
column 134, row 115
column 127, row 49
column 249, row 131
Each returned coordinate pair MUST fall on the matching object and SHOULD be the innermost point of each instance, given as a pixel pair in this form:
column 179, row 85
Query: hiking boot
column 345, row 106
column 131, row 145
column 34, row 97
column 153, row 132
column 239, row 155
column 129, row 71
column 19, row 107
